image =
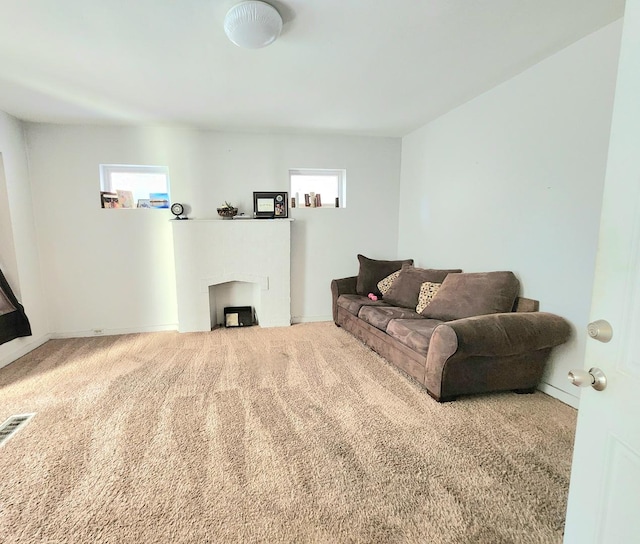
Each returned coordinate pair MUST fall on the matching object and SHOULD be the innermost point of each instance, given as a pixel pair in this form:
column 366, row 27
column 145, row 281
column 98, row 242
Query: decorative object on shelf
column 227, row 211
column 125, row 198
column 252, row 24
column 337, row 202
column 159, row 200
column 312, row 199
column 268, row 205
column 293, row 201
column 318, row 201
column 144, row 203
column 307, row 203
column 177, row 209
column 109, row 200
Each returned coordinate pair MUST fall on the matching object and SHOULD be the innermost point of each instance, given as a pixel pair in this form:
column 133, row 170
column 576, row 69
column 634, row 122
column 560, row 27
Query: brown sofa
column 475, row 335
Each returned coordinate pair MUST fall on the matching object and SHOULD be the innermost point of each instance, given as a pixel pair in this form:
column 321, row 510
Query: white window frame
column 340, row 174
column 107, row 170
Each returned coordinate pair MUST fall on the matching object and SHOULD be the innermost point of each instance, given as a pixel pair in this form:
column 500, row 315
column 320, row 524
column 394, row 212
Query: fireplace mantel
column 215, row 251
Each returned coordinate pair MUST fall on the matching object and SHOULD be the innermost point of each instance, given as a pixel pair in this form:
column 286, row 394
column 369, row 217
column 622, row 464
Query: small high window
column 134, row 186
column 318, row 188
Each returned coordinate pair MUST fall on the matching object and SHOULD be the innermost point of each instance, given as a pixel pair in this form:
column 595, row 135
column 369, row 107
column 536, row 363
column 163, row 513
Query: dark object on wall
column 13, row 321
column 238, row 316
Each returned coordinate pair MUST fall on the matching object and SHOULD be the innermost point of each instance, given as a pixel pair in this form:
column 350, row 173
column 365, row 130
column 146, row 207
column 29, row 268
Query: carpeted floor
column 298, row 434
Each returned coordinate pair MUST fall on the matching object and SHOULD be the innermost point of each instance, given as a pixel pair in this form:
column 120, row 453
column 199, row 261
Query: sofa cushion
column 475, row 293
column 428, row 290
column 379, row 316
column 413, row 333
column 405, row 290
column 385, row 284
column 372, row 271
column 353, row 303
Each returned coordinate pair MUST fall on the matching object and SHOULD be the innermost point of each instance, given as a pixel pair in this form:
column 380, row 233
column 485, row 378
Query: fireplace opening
column 232, row 293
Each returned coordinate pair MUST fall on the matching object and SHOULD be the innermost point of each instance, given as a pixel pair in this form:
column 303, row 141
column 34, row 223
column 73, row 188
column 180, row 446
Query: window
column 327, row 186
column 134, row 186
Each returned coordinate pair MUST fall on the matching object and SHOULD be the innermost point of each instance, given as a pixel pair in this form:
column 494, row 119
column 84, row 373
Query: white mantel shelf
column 215, row 251
column 216, row 219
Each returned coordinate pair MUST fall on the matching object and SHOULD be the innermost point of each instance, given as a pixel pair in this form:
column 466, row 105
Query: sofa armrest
column 342, row 286
column 498, row 335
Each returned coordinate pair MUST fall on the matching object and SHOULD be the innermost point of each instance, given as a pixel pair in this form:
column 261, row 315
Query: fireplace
column 214, row 255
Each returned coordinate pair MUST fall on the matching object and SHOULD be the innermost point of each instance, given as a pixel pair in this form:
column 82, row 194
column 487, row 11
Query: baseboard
column 24, row 348
column 311, row 318
column 112, row 332
column 559, row 394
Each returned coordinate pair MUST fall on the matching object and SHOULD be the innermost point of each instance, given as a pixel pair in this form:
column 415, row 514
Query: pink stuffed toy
column 372, row 296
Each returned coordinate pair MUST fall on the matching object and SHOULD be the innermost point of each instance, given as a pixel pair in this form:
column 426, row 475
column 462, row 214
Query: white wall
column 19, row 257
column 113, row 269
column 513, row 180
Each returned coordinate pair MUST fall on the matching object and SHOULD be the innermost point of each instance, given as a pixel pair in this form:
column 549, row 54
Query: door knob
column 600, row 330
column 594, row 378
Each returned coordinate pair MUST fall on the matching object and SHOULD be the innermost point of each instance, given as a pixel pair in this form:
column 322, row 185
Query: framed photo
column 270, row 205
column 125, row 198
column 109, row 200
column 159, row 200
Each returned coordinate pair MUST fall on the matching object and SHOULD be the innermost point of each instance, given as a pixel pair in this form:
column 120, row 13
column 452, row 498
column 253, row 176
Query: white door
column 604, row 495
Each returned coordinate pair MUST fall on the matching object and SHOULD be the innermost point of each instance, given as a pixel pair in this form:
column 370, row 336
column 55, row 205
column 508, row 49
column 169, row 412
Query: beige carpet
column 299, row 434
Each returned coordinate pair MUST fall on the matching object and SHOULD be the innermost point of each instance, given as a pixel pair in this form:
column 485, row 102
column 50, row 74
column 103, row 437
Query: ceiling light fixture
column 253, row 24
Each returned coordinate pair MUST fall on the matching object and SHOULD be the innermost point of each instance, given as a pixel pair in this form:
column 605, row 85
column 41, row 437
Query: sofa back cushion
column 405, row 289
column 475, row 293
column 372, row 271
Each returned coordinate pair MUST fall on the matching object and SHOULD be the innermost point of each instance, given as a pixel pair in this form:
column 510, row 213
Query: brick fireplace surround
column 212, row 252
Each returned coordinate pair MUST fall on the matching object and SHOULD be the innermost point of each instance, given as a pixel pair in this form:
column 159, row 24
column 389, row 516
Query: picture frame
column 270, row 205
column 159, row 200
column 109, row 200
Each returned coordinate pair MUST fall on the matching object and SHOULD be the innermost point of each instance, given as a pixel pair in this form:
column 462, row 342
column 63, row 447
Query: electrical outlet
column 98, row 331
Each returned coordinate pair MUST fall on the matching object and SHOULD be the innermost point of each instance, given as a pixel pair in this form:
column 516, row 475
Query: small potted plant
column 227, row 211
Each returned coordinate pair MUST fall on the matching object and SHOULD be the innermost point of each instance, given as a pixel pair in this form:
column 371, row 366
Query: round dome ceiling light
column 253, row 24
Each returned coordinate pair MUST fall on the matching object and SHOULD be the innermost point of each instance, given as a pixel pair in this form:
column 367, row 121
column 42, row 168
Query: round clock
column 177, row 209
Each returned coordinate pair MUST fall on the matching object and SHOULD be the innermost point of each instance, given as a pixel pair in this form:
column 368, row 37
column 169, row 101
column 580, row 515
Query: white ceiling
column 340, row 66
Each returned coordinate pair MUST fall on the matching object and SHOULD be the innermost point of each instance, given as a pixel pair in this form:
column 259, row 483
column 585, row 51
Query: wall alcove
column 233, row 293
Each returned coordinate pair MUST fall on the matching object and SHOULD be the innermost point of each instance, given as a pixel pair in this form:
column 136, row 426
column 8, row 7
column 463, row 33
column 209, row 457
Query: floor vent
column 12, row 425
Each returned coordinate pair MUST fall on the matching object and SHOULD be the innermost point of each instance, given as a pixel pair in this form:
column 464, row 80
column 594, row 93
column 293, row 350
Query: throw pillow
column 428, row 290
column 404, row 291
column 386, row 283
column 475, row 293
column 372, row 271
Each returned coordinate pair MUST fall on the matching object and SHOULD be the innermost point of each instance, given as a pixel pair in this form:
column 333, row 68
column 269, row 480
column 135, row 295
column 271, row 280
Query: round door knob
column 594, row 378
column 600, row 330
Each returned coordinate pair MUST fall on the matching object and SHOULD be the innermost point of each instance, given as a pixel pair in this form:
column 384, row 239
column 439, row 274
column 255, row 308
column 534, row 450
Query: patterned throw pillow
column 385, row 284
column 428, row 290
